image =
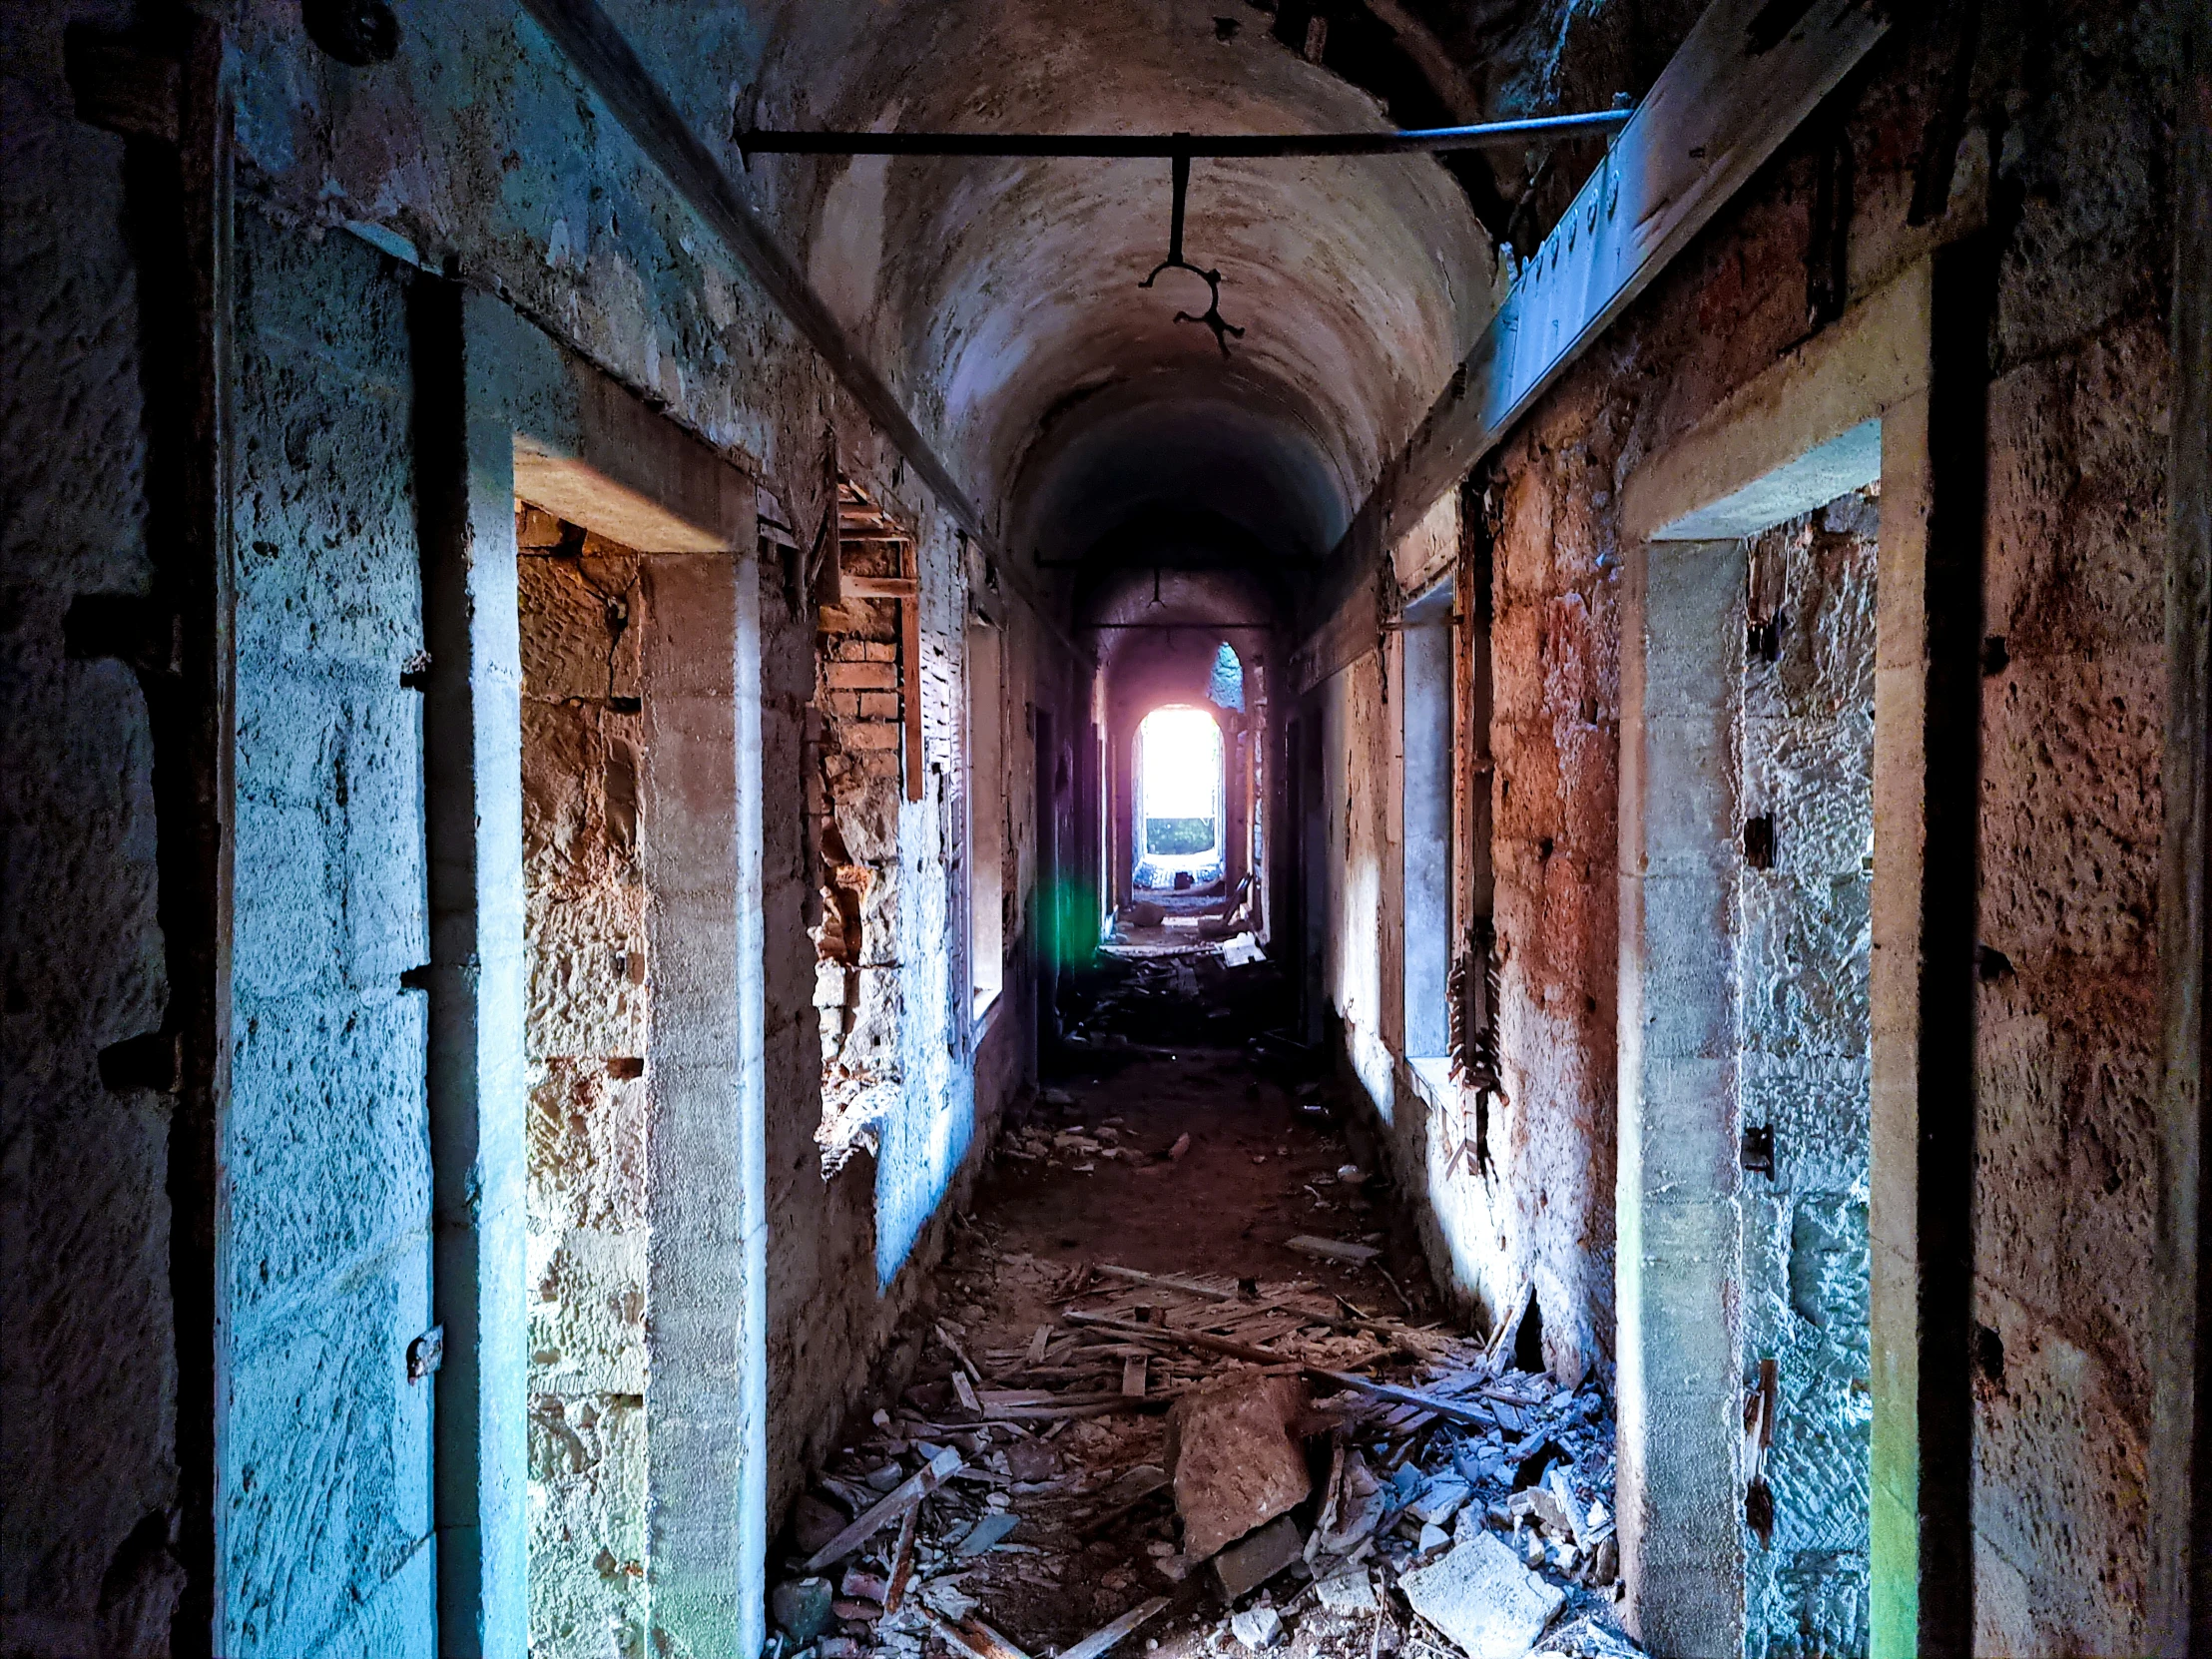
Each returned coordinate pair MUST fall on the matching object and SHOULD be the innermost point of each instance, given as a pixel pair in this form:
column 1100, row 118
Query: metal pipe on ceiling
column 1490, row 135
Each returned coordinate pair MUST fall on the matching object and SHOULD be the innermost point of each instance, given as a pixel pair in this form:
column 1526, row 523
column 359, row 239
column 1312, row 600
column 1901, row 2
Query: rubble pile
column 1199, row 1464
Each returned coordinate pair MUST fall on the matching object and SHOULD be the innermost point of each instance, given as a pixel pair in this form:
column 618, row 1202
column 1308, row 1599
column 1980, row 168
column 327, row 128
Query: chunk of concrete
column 1237, row 1465
column 1348, row 1591
column 802, row 1608
column 1483, row 1599
column 987, row 1532
column 1257, row 1627
column 1256, row 1557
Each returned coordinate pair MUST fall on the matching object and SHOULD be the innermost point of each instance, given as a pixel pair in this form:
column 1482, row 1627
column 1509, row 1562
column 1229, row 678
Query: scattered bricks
column 879, row 651
column 851, row 650
column 1252, row 1561
column 861, row 677
column 879, row 704
column 878, row 734
column 1236, row 1464
column 844, row 705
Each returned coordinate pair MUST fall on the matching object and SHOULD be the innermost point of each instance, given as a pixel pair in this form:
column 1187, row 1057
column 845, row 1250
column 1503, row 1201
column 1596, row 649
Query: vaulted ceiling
column 1002, row 296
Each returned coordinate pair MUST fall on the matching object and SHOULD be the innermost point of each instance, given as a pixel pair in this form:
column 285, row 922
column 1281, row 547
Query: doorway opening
column 587, row 1026
column 1180, row 803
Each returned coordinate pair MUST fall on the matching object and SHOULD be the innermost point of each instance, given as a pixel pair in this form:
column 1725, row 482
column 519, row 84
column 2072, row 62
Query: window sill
column 1432, row 1076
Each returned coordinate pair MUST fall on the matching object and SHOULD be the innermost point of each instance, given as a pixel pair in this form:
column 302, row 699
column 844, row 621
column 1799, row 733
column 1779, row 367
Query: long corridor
column 1021, row 829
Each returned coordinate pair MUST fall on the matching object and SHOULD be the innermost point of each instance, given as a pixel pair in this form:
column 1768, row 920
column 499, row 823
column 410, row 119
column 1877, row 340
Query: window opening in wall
column 1226, row 689
column 865, row 754
column 1425, row 709
column 1180, row 801
column 986, row 795
column 585, row 1034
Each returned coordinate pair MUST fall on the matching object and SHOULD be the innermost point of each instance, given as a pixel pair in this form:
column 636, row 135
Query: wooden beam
column 1723, row 105
column 910, row 672
column 878, row 586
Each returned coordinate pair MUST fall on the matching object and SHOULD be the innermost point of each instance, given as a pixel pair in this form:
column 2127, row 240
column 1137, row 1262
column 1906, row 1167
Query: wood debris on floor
column 1197, row 1464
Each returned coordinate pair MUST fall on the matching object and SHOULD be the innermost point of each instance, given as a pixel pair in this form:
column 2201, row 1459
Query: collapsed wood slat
column 904, row 1500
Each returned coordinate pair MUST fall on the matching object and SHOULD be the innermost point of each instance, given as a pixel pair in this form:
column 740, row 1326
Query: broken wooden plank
column 1132, row 1377
column 972, row 1637
column 1335, row 1250
column 1388, row 1329
column 965, row 1390
column 1038, row 1344
column 1060, row 1413
column 878, row 586
column 1457, row 1410
column 957, row 1351
column 1103, row 1639
column 903, row 1561
column 1016, row 1397
column 902, row 1499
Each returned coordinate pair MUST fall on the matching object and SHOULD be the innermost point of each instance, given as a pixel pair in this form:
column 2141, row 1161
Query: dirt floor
column 1061, row 1517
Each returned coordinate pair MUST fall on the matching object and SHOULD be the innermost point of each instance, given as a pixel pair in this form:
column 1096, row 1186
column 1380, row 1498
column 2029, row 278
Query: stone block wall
column 1804, row 754
column 88, row 1405
column 588, row 1015
column 323, row 1440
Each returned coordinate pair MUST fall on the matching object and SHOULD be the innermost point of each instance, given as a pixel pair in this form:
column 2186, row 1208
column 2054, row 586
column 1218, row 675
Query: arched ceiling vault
column 1001, row 296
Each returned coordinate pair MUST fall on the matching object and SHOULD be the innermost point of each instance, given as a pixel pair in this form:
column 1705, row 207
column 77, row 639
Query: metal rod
column 1181, row 145
column 1182, row 179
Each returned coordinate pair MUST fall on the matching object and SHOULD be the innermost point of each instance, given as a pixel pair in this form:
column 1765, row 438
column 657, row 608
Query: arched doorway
column 1181, row 837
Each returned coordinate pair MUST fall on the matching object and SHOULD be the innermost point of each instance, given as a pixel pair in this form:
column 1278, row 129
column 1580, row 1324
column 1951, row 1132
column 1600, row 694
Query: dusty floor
column 1186, row 1162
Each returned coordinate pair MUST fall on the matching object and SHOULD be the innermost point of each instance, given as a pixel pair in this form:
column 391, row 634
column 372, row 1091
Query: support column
column 1679, row 1223
column 472, row 778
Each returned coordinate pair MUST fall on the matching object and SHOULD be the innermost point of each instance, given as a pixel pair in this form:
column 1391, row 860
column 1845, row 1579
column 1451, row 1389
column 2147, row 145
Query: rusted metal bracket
column 1211, row 315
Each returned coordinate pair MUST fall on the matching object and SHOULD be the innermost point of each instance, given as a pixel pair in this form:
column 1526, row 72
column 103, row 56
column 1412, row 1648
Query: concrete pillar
column 706, row 1405
column 473, row 722
column 1679, row 1218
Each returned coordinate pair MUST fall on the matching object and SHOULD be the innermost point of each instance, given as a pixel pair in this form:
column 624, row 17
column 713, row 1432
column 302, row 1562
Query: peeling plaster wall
column 86, row 1415
column 323, row 1267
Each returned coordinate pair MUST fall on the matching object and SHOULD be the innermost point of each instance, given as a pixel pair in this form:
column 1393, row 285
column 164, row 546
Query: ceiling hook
column 1211, row 315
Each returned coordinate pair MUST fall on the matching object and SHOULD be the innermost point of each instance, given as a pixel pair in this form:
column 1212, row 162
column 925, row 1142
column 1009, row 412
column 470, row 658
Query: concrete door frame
column 540, row 423
column 1753, row 460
